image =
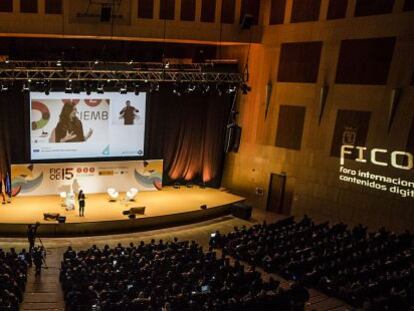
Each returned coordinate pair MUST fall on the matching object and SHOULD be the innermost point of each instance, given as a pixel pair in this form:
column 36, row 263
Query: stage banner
column 92, row 177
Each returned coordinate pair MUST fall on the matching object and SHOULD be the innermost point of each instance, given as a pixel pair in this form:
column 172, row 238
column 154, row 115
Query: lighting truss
column 116, row 71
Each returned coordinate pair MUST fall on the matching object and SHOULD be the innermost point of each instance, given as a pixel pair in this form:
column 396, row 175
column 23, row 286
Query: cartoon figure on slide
column 69, row 128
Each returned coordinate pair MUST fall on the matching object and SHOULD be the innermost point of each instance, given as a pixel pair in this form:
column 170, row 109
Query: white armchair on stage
column 63, row 198
column 70, row 201
column 131, row 194
column 113, row 194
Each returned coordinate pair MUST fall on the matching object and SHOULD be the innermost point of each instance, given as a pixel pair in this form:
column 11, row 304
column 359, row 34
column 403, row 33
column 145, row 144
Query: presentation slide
column 69, row 126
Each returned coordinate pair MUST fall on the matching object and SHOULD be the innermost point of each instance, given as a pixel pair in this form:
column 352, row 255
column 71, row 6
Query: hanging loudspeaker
column 233, row 135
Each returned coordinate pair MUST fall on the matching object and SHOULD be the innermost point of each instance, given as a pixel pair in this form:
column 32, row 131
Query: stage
column 162, row 208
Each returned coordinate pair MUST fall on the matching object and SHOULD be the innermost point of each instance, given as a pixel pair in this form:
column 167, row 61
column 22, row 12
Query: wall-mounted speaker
column 204, row 206
column 232, row 141
column 106, row 14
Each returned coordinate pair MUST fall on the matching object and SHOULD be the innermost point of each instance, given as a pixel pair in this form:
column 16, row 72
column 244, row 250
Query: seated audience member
column 13, row 278
column 374, row 269
column 175, row 275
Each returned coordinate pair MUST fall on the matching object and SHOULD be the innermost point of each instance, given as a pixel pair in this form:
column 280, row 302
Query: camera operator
column 31, row 235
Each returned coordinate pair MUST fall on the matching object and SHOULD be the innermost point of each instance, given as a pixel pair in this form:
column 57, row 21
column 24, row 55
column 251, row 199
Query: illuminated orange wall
column 312, row 175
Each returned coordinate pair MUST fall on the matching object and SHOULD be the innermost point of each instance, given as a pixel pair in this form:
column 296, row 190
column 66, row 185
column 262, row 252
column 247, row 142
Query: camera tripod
column 45, row 252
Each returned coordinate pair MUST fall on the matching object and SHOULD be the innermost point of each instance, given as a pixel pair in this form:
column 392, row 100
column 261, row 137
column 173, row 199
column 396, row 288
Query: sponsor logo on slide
column 39, row 124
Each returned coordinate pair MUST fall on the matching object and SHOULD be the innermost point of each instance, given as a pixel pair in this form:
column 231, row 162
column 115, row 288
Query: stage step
column 44, row 292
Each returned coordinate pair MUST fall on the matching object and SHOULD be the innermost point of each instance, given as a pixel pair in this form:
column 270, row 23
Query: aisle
column 44, row 292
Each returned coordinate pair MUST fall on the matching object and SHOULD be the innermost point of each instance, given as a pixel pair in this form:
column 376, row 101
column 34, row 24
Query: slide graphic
column 45, row 115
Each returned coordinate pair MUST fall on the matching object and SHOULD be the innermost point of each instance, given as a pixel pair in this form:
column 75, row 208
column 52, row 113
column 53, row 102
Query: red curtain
column 188, row 132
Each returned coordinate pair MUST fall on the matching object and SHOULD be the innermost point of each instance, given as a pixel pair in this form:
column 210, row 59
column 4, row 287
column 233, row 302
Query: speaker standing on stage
column 81, row 200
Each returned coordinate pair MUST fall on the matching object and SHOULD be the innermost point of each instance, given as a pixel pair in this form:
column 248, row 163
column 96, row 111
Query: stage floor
column 168, row 201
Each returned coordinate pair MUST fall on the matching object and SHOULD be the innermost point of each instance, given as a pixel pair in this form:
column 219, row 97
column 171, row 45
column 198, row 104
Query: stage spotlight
column 123, row 89
column 131, row 62
column 100, row 89
column 96, row 62
column 7, row 61
column 59, row 63
column 232, row 89
column 76, row 90
column 4, row 88
column 167, row 65
column 219, row 90
column 27, row 86
column 191, row 88
column 177, row 89
column 136, row 89
column 205, row 88
column 68, row 87
column 46, row 87
column 88, row 88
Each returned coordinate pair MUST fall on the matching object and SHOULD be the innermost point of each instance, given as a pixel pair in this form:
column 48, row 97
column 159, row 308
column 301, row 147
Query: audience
column 13, row 277
column 168, row 276
column 374, row 270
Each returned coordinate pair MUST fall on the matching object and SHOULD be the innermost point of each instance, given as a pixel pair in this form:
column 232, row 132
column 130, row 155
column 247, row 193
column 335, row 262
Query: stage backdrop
column 92, row 177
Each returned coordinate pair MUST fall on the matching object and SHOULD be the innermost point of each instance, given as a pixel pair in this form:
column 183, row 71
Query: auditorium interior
column 181, row 155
